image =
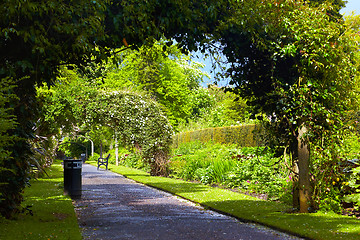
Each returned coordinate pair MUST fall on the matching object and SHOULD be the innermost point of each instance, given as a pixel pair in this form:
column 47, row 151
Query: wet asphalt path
column 114, row 207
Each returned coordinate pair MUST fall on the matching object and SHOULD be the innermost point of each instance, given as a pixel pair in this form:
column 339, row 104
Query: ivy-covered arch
column 137, row 120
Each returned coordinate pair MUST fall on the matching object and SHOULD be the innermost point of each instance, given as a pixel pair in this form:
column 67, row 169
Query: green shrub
column 14, row 164
column 200, row 161
column 189, row 147
column 261, row 174
column 94, row 157
column 134, row 160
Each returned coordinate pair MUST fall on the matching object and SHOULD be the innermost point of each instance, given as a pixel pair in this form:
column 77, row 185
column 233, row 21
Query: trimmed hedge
column 243, row 136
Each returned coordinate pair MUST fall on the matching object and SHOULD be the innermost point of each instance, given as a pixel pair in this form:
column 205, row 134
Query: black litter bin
column 72, row 177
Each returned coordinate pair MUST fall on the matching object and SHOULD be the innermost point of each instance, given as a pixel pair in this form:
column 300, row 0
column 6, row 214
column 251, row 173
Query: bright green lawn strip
column 314, row 226
column 54, row 216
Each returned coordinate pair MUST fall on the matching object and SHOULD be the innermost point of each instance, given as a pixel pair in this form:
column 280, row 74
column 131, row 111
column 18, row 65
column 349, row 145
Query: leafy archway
column 137, row 120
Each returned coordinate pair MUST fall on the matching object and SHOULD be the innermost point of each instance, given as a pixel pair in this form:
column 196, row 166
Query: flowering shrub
column 137, row 120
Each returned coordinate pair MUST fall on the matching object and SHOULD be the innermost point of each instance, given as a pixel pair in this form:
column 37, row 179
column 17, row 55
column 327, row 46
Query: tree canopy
column 37, row 37
column 293, row 63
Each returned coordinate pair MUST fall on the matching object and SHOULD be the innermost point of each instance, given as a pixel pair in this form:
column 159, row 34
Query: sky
column 352, row 5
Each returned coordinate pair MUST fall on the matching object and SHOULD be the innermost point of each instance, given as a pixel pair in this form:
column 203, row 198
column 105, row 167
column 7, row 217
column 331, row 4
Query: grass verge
column 53, row 213
column 247, row 208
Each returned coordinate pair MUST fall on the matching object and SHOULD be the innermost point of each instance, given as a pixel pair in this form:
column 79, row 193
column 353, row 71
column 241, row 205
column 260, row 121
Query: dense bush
column 261, row 174
column 134, row 160
column 94, row 157
column 133, row 117
column 214, row 107
column 335, row 177
column 74, row 147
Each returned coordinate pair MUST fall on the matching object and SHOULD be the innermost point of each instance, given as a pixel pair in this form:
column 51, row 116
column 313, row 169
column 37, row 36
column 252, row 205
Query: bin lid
column 72, row 164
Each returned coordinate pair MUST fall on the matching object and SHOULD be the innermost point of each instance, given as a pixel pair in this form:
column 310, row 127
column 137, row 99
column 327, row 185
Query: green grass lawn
column 53, row 213
column 247, row 208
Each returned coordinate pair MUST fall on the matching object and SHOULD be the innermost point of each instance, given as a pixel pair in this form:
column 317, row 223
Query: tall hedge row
column 243, row 136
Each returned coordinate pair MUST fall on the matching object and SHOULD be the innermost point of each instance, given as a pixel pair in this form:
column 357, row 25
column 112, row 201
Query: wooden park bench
column 103, row 162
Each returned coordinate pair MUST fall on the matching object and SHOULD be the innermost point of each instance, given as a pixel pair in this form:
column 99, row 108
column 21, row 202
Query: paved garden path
column 114, row 207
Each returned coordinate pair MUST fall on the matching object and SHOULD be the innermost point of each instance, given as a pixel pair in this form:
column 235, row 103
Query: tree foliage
column 296, row 65
column 35, row 38
column 138, row 121
column 7, row 123
column 213, row 107
column 169, row 76
column 7, row 118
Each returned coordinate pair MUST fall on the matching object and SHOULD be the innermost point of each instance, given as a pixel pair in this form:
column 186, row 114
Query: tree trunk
column 304, row 173
column 301, row 178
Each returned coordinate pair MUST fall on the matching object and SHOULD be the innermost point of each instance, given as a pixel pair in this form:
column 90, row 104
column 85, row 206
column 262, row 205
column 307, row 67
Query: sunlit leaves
column 169, row 76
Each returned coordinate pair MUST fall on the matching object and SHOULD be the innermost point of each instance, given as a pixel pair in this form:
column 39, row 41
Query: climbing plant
column 138, row 121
